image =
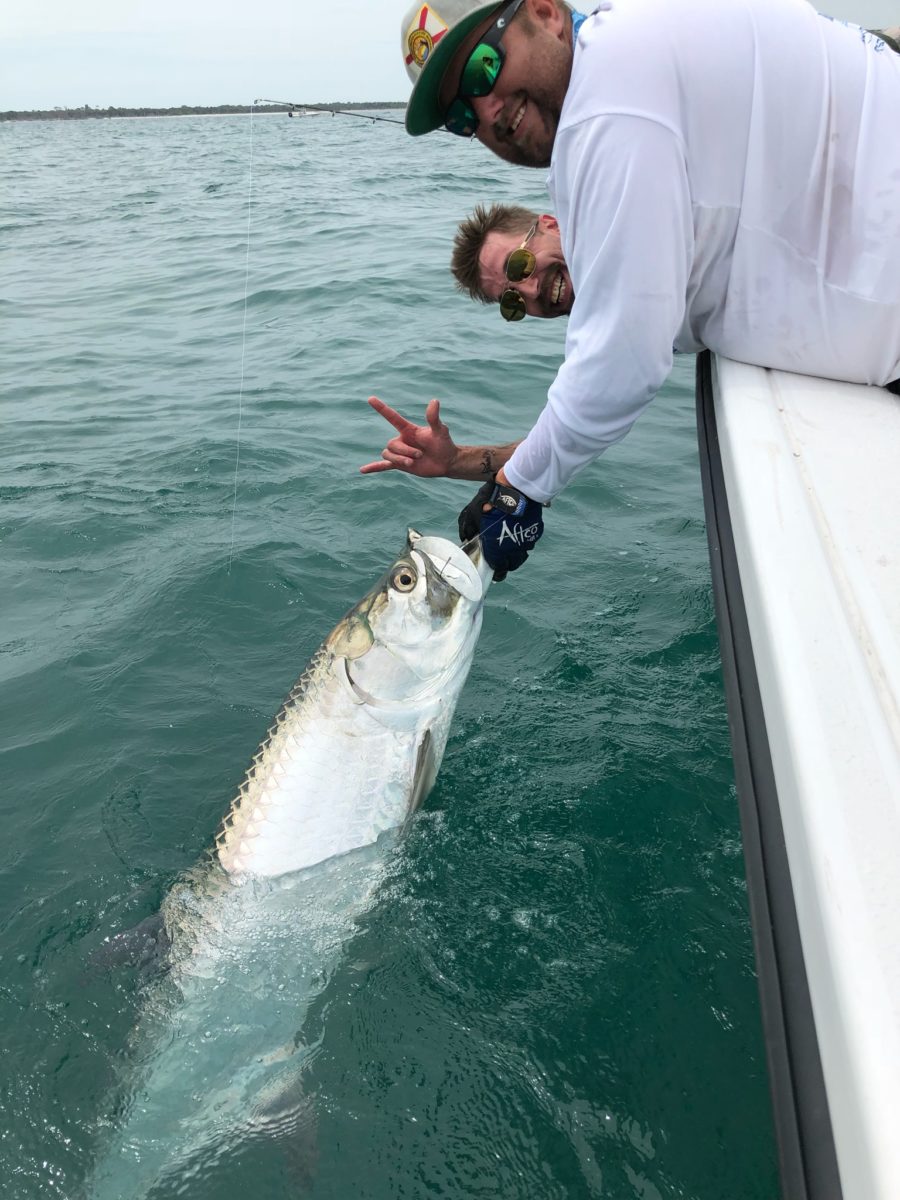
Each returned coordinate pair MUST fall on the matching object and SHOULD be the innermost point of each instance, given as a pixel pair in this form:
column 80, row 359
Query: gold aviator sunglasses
column 520, row 265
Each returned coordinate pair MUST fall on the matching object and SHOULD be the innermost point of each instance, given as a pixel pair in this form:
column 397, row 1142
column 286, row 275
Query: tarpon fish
column 217, row 1055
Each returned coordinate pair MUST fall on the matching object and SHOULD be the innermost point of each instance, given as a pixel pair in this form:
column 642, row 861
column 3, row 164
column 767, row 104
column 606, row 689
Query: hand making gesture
column 425, row 450
column 506, row 521
column 429, row 451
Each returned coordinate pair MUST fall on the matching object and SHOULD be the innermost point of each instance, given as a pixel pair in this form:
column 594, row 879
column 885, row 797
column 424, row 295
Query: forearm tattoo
column 487, row 461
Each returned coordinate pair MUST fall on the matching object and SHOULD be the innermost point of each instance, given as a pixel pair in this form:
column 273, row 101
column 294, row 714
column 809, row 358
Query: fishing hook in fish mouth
column 438, row 569
column 463, row 546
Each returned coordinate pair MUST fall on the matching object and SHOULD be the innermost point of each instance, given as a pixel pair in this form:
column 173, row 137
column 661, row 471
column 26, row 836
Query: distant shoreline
column 87, row 113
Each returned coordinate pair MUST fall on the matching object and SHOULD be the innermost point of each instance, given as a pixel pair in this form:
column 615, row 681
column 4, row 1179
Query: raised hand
column 424, row 450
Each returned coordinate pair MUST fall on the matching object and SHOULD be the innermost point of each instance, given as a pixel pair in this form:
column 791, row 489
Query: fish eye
column 403, row 578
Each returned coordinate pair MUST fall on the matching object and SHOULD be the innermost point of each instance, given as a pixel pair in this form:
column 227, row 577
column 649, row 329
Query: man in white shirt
column 726, row 174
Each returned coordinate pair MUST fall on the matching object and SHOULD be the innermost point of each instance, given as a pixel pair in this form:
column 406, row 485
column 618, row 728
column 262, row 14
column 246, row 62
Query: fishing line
column 237, row 448
column 237, row 451
column 465, row 545
column 478, row 536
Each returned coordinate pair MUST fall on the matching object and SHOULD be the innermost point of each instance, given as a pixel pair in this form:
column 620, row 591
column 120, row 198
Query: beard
column 536, row 148
column 550, row 64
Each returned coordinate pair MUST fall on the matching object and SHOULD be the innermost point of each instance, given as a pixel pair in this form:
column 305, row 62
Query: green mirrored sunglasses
column 479, row 74
column 520, row 265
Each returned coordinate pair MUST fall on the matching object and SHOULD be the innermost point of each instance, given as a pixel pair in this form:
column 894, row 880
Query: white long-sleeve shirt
column 726, row 174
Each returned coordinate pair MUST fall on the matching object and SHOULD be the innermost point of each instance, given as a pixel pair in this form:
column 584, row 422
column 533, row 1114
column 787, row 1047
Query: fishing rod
column 340, row 112
column 343, row 112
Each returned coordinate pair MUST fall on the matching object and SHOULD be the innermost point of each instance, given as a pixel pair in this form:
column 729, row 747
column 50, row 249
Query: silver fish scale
column 334, row 772
column 237, row 824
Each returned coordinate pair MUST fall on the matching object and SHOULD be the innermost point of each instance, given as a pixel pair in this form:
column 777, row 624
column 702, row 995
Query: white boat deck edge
column 812, row 474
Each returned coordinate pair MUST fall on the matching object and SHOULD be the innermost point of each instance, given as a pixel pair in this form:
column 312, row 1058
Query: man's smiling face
column 548, row 291
column 519, row 118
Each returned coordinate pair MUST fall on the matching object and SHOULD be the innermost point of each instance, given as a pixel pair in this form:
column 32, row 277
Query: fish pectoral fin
column 425, row 772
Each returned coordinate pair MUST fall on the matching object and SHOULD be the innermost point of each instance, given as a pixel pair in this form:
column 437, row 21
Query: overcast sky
column 162, row 53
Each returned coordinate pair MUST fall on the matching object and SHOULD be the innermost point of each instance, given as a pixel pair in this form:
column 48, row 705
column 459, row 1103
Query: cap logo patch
column 420, row 44
column 424, row 34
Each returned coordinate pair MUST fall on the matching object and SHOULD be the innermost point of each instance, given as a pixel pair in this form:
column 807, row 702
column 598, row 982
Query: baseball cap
column 429, row 38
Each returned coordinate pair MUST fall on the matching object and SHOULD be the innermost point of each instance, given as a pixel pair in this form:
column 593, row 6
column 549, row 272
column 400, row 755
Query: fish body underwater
column 217, row 1055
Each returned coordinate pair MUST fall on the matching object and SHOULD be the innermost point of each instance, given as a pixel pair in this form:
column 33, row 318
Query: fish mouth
column 441, row 593
column 449, row 569
column 475, row 552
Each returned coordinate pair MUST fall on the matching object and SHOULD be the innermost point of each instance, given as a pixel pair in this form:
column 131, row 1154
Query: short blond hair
column 470, row 238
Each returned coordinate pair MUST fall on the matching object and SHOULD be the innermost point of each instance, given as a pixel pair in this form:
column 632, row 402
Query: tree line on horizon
column 185, row 110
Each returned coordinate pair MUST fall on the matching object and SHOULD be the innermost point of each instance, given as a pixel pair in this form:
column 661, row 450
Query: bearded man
column 724, row 173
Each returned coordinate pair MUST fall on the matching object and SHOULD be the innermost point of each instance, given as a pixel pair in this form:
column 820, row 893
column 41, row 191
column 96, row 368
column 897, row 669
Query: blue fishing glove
column 508, row 531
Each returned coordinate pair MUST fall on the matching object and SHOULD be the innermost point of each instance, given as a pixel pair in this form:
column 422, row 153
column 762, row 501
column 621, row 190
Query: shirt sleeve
column 622, row 197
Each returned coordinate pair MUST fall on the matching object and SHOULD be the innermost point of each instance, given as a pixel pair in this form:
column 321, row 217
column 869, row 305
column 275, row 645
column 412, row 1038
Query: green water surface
column 554, row 995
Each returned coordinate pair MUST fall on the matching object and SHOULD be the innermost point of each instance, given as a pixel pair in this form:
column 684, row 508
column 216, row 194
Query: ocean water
column 553, row 994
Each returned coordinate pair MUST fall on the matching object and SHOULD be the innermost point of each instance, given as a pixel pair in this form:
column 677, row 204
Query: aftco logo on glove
column 521, row 536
